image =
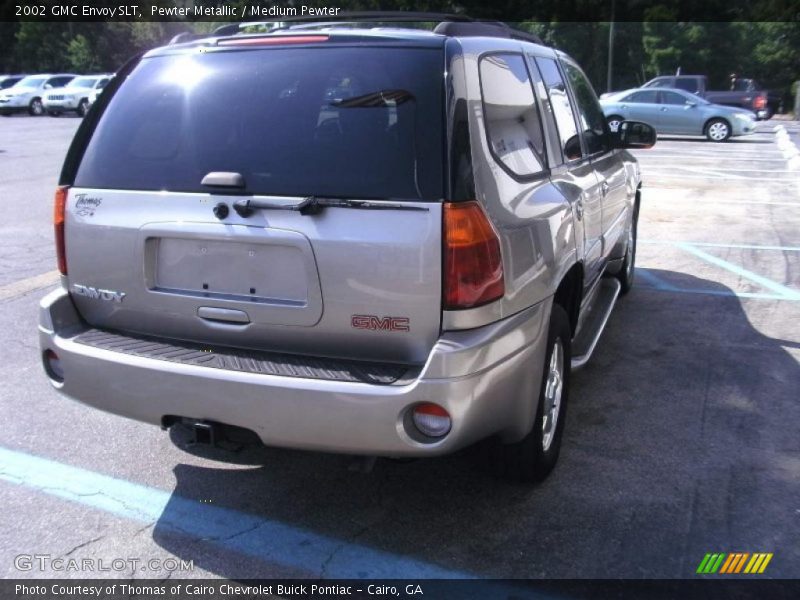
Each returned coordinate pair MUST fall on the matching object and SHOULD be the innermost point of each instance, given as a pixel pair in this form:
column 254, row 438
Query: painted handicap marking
column 264, row 539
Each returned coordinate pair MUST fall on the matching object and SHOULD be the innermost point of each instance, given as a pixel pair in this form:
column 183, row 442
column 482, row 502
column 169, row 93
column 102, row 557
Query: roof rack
column 451, row 25
column 485, row 29
column 395, row 16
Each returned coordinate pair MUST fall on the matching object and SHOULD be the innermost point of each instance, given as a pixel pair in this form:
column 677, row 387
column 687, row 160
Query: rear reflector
column 52, row 366
column 473, row 265
column 59, row 215
column 431, row 420
column 274, row 40
column 759, row 102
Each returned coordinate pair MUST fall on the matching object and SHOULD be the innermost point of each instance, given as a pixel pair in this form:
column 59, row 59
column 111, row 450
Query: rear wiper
column 313, row 205
column 381, row 98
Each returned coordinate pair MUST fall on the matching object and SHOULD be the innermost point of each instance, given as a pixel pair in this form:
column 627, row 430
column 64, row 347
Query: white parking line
column 715, row 157
column 23, row 286
column 720, row 176
column 720, row 245
column 670, row 196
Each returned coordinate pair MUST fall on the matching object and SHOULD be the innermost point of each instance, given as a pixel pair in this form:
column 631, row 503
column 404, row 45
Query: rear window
column 688, row 85
column 333, row 121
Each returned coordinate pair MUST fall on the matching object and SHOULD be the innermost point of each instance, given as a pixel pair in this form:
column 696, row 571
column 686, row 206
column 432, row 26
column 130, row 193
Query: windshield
column 82, row 82
column 31, row 82
column 363, row 122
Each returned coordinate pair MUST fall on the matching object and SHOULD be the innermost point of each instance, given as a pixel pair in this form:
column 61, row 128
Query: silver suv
column 382, row 242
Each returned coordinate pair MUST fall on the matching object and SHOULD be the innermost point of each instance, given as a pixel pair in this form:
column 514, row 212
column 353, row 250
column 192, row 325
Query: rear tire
column 534, row 456
column 628, row 269
column 614, row 122
column 36, row 108
column 718, row 130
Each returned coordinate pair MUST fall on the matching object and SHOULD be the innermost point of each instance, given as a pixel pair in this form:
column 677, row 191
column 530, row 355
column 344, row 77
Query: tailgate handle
column 211, row 313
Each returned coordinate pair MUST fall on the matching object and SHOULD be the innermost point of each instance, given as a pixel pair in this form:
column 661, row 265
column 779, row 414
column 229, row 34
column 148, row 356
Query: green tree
column 81, row 55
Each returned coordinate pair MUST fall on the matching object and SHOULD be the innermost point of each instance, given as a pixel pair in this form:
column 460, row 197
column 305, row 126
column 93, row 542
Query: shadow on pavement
column 681, row 439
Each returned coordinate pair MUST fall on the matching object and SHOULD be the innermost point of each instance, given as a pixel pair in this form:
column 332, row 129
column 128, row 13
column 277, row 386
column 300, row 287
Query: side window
column 590, row 116
column 673, row 98
column 661, row 82
column 462, row 182
column 689, row 85
column 561, row 106
column 643, row 97
column 511, row 116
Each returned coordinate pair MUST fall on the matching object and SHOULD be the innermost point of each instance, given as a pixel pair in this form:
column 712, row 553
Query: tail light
column 59, row 214
column 473, row 265
column 759, row 102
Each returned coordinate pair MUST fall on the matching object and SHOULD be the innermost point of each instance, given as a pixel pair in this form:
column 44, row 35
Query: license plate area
column 250, row 272
column 270, row 274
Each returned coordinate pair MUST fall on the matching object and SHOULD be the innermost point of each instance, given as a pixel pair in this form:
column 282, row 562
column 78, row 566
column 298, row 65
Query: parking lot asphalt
column 681, row 435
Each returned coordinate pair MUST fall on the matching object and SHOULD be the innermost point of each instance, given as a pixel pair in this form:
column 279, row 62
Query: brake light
column 274, row 40
column 759, row 102
column 473, row 265
column 59, row 214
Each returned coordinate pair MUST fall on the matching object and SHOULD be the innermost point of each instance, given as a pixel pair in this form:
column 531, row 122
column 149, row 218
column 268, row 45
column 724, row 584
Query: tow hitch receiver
column 204, row 433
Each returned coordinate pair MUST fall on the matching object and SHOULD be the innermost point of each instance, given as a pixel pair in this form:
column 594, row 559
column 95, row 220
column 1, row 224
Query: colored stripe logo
column 733, row 563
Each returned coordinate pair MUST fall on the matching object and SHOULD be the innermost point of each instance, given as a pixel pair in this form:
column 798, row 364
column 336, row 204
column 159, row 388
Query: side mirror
column 634, row 134
column 691, row 104
column 48, row 86
column 572, row 148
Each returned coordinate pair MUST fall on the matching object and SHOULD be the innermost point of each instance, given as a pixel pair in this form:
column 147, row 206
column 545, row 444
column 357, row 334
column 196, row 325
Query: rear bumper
column 487, row 379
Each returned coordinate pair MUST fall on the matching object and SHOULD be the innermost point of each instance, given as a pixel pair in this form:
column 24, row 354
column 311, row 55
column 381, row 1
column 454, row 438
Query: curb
column 787, row 147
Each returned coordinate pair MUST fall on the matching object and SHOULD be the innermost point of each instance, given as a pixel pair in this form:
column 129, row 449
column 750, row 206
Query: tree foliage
column 658, row 44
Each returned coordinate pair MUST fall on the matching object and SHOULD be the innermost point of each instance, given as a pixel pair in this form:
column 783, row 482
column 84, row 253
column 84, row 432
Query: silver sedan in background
column 673, row 111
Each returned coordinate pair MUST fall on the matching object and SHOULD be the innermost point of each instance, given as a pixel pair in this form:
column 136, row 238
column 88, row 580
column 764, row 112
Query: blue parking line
column 777, row 288
column 714, row 245
column 653, row 282
column 268, row 540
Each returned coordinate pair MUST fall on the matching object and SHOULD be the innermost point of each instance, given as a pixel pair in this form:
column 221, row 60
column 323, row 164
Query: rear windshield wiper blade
column 313, row 205
column 381, row 98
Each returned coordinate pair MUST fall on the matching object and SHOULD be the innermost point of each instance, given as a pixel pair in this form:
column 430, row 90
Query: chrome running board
column 595, row 322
